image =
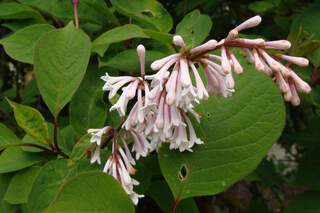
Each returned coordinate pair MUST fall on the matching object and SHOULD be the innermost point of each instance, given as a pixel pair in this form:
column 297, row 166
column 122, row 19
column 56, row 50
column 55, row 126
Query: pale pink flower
column 120, row 166
column 141, row 145
column 97, row 135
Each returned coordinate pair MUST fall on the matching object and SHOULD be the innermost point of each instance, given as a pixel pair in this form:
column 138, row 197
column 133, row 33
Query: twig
column 39, row 147
column 56, row 139
column 75, row 12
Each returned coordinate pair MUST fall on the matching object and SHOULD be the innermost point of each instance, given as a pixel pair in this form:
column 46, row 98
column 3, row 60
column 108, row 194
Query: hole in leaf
column 192, row 32
column 183, row 172
column 208, row 114
column 148, row 13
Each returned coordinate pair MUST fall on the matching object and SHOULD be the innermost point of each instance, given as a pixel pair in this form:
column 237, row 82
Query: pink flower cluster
column 164, row 101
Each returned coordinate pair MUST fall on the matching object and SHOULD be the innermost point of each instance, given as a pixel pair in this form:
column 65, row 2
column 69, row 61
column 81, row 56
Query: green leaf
column 307, row 202
column 237, row 133
column 132, row 64
column 61, row 57
column 69, row 139
column 160, row 192
column 308, row 22
column 31, row 121
column 12, row 10
column 4, row 182
column 87, row 10
column 125, row 32
column 20, row 185
column 96, row 192
column 150, row 12
column 87, row 109
column 50, row 180
column 79, row 150
column 7, row 137
column 194, row 28
column 20, row 44
column 165, row 38
column 42, row 193
column 260, row 6
column 13, row 159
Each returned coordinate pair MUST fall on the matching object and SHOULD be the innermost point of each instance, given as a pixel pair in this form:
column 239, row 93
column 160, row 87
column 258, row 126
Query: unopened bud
column 251, row 22
column 178, row 41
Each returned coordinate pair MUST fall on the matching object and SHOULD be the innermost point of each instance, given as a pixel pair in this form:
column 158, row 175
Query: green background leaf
column 13, row 159
column 150, row 12
column 20, row 185
column 128, row 60
column 63, row 9
column 97, row 192
column 56, row 173
column 122, row 33
column 31, row 121
column 237, row 133
column 60, row 61
column 194, row 28
column 7, row 137
column 12, row 10
column 20, row 44
column 87, row 109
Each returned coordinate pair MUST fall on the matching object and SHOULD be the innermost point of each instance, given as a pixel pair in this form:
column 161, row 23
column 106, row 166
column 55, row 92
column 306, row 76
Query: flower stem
column 75, row 12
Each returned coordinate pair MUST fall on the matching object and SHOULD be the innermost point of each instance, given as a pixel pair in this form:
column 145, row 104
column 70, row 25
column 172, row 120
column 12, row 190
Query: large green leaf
column 237, row 133
column 87, row 109
column 13, row 159
column 95, row 192
column 50, row 180
column 122, row 33
column 60, row 60
column 31, row 121
column 12, row 10
column 42, row 194
column 20, row 45
column 307, row 202
column 7, row 137
column 20, row 185
column 194, row 28
column 132, row 64
column 89, row 10
column 150, row 12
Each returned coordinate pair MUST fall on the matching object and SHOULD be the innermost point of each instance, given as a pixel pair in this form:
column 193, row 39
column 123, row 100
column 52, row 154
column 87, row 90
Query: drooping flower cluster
column 163, row 102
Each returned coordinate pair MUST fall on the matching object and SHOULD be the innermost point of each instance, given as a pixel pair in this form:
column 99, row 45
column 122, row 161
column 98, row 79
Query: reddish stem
column 39, row 147
column 175, row 205
column 75, row 12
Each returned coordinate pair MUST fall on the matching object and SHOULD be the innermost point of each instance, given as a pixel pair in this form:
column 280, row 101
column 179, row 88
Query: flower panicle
column 163, row 103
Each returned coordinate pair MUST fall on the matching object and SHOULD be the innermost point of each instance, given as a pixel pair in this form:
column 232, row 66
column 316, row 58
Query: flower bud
column 279, row 44
column 251, row 22
column 178, row 41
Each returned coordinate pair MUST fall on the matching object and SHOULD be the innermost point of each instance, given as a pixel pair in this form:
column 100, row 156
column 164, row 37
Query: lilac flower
column 120, row 166
column 97, row 136
column 141, row 145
